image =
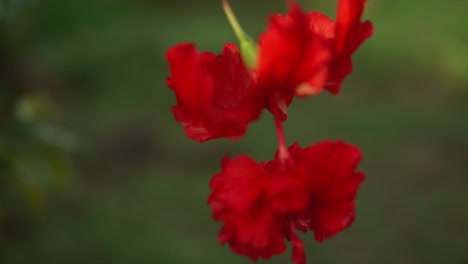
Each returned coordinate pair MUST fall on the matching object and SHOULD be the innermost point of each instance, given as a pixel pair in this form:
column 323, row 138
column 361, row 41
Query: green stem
column 233, row 21
column 248, row 47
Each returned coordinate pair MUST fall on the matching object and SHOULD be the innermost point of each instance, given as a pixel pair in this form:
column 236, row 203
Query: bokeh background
column 94, row 169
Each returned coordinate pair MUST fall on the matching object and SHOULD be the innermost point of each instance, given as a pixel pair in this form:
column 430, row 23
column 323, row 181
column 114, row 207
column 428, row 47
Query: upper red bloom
column 293, row 59
column 300, row 53
column 216, row 96
column 344, row 36
column 262, row 204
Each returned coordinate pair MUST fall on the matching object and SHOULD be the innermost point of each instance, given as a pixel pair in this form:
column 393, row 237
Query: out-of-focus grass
column 140, row 194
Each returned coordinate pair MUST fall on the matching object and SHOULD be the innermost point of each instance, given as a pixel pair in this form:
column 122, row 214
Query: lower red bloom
column 262, row 204
column 244, row 197
column 216, row 96
column 329, row 171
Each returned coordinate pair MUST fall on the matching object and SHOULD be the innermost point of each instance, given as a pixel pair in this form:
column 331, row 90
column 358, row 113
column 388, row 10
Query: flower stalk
column 283, row 152
column 247, row 45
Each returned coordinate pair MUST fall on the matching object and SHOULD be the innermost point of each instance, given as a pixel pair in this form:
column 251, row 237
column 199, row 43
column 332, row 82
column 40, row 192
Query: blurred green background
column 94, row 169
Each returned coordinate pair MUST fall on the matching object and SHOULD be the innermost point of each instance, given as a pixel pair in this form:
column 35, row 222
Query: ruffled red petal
column 216, row 96
column 293, row 59
column 251, row 226
column 256, row 234
column 329, row 170
column 350, row 33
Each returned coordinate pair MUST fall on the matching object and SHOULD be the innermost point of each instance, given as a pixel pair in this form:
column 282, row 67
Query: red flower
column 216, row 96
column 262, row 204
column 292, row 59
column 345, row 36
column 253, row 205
column 329, row 171
column 300, row 54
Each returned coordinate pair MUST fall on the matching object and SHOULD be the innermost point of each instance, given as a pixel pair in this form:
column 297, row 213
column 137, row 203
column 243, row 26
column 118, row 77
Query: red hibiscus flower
column 253, row 203
column 300, row 54
column 329, row 170
column 216, row 96
column 263, row 204
column 292, row 60
column 344, row 36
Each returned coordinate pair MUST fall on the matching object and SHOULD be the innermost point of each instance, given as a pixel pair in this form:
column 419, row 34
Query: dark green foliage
column 10, row 8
